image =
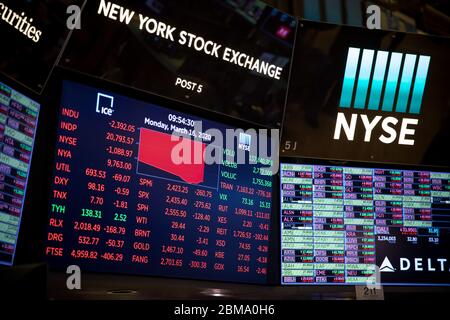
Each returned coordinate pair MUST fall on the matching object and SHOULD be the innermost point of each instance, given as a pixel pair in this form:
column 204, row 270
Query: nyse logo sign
column 105, row 104
column 387, row 82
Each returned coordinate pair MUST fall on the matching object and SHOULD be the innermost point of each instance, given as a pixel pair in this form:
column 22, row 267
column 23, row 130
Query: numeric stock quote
column 120, row 204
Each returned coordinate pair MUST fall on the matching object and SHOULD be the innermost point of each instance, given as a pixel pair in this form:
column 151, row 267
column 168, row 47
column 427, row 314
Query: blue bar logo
column 386, row 81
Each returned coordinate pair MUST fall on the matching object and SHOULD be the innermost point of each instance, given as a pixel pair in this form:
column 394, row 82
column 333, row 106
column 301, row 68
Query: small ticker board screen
column 120, row 204
column 359, row 225
column 18, row 121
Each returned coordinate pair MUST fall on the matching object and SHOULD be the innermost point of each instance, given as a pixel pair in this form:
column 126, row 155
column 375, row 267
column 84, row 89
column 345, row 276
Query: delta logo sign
column 390, row 83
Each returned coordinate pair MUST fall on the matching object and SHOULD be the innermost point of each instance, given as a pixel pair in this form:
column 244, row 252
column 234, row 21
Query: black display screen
column 211, row 57
column 18, row 122
column 120, row 203
column 339, row 223
column 368, row 95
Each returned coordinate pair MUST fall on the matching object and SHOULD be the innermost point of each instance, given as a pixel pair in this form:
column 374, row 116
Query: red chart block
column 156, row 148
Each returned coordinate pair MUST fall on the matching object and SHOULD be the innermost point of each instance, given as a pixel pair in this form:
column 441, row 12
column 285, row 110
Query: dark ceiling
column 429, row 16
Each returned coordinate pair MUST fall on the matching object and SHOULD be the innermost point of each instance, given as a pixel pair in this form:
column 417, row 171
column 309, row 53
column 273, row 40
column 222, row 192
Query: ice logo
column 105, row 104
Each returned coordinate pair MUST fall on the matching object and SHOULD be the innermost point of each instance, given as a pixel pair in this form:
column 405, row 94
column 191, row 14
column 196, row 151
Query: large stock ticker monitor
column 339, row 224
column 121, row 203
column 18, row 121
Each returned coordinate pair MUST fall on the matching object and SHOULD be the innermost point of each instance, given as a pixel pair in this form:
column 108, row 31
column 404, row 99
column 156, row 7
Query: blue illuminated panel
column 364, row 78
column 333, row 11
column 419, row 85
column 349, row 77
column 378, row 80
column 392, row 81
column 311, row 9
column 405, row 83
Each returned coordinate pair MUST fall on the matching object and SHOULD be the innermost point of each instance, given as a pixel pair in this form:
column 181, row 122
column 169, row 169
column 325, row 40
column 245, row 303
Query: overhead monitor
column 18, row 122
column 357, row 225
column 133, row 191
